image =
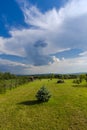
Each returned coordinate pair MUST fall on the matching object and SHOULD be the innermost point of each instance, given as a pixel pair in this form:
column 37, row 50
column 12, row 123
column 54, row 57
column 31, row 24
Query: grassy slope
column 67, row 109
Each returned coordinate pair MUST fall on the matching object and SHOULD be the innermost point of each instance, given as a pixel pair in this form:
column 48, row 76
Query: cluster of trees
column 62, row 76
column 57, row 76
column 80, row 79
column 6, row 76
column 9, row 81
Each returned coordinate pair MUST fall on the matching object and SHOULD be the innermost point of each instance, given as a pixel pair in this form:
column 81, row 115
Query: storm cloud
column 48, row 33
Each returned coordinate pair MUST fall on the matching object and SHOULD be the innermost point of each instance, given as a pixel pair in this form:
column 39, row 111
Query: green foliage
column 67, row 110
column 77, row 81
column 86, row 78
column 60, row 81
column 82, row 77
column 43, row 94
column 6, row 76
column 2, row 89
column 9, row 81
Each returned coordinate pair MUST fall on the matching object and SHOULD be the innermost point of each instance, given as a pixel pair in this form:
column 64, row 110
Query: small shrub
column 60, row 81
column 77, row 81
column 43, row 95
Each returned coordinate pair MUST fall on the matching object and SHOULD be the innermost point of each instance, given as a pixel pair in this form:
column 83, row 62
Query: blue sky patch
column 11, row 16
column 45, row 5
column 32, row 31
column 72, row 53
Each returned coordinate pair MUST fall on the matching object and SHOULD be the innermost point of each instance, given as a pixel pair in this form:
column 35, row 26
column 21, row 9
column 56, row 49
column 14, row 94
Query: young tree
column 43, row 95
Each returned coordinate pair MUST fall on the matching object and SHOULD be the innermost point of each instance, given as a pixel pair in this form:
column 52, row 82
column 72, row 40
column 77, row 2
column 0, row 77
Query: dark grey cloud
column 12, row 69
column 35, row 54
column 50, row 33
column 42, row 60
column 40, row 44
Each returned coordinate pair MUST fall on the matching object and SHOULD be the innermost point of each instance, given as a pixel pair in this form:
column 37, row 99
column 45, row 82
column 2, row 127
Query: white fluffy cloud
column 58, row 29
column 74, row 65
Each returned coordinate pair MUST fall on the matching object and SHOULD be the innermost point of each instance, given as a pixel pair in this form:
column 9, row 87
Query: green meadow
column 66, row 109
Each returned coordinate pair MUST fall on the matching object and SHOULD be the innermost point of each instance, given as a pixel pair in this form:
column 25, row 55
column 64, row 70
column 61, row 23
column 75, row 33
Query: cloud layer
column 49, row 33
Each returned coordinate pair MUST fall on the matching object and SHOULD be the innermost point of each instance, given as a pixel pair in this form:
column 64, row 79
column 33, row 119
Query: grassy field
column 66, row 110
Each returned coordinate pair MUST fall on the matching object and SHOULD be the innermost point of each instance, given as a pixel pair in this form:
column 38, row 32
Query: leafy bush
column 43, row 95
column 77, row 81
column 60, row 81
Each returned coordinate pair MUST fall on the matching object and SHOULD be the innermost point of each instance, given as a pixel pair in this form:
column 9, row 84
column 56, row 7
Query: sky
column 43, row 36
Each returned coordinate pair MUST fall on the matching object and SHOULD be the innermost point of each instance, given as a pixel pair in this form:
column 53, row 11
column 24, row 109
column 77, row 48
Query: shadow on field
column 31, row 102
column 80, row 86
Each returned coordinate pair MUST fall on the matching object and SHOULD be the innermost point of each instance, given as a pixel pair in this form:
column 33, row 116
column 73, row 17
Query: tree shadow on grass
column 29, row 103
